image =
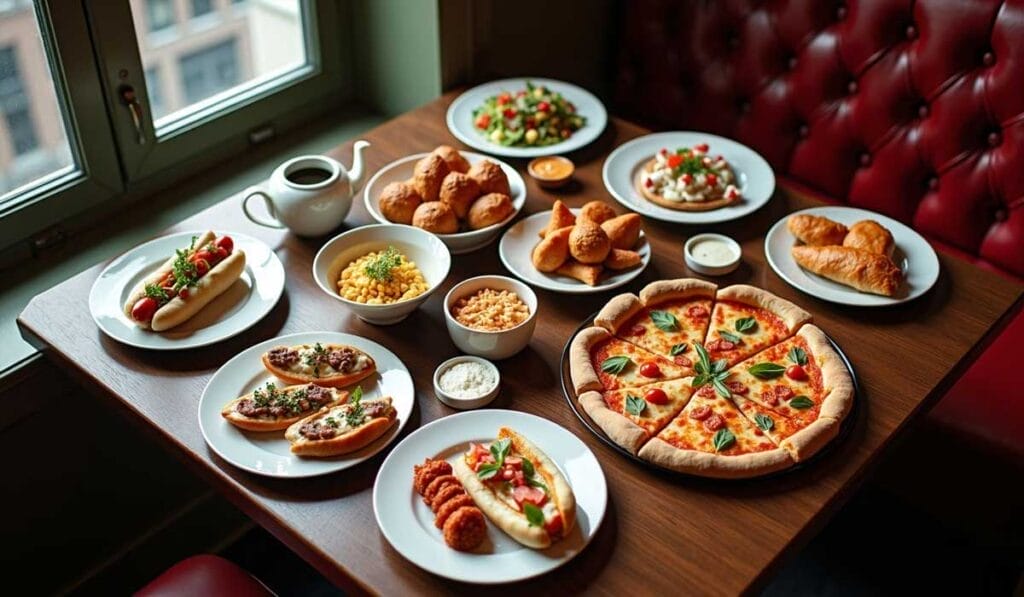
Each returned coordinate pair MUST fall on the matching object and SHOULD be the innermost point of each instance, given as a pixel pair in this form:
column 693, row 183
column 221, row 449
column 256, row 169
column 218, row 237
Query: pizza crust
column 835, row 378
column 805, row 443
column 581, row 370
column 618, row 311
column 792, row 316
column 681, row 288
column 705, row 464
column 616, row 426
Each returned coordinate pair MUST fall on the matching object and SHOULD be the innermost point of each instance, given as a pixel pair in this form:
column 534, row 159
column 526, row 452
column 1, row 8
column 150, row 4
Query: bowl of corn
column 382, row 272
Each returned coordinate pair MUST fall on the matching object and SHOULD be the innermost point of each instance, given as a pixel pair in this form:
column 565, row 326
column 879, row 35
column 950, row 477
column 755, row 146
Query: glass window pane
column 33, row 141
column 217, row 50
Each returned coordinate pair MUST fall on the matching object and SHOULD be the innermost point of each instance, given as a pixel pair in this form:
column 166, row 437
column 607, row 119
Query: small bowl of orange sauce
column 551, row 172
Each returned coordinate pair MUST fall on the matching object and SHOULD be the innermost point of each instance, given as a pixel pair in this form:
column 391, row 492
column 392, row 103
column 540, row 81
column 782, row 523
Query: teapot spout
column 356, row 173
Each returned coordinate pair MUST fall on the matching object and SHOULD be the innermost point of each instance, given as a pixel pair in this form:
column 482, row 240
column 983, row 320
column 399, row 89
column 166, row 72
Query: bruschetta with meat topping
column 331, row 365
column 342, row 428
column 270, row 408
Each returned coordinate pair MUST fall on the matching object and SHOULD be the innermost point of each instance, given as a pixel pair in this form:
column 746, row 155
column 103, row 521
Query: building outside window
column 201, row 7
column 209, row 71
column 160, row 14
column 14, row 104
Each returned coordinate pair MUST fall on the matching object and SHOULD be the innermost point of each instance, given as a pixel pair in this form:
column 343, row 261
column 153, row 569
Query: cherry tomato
column 202, row 266
column 701, row 412
column 225, row 243
column 674, row 160
column 543, row 106
column 687, row 179
column 554, row 526
column 648, row 183
column 711, row 179
column 509, row 112
column 663, row 151
column 144, row 309
column 519, row 479
column 503, row 99
column 656, row 396
column 483, row 121
column 650, row 370
column 682, row 361
column 796, row 372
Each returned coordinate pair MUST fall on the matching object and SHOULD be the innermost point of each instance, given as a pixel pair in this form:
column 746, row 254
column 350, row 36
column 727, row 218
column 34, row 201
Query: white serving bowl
column 707, row 268
column 466, row 403
column 491, row 345
column 460, row 242
column 424, row 249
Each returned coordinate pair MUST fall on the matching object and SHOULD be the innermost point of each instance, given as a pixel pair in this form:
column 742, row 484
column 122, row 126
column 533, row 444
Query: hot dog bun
column 140, row 289
column 209, row 287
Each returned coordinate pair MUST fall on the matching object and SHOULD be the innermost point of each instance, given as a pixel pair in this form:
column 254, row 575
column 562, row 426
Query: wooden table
column 666, row 534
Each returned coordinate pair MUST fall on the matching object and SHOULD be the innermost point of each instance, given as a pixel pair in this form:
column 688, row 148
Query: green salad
column 535, row 116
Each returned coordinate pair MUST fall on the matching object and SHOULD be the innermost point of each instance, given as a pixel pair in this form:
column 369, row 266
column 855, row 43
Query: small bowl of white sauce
column 466, row 382
column 712, row 254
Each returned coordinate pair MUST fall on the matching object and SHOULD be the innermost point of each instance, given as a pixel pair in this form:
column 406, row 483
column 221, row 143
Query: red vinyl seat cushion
column 204, row 575
column 911, row 108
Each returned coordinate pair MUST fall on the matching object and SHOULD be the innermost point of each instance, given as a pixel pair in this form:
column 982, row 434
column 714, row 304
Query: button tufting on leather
column 791, row 63
column 744, row 106
column 733, row 40
column 922, row 110
column 865, row 159
column 1001, row 215
column 803, row 131
column 995, row 139
column 851, row 87
column 911, row 32
column 988, row 59
column 933, row 182
column 841, row 12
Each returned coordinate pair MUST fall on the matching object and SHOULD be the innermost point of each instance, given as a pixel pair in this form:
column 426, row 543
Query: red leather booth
column 912, row 108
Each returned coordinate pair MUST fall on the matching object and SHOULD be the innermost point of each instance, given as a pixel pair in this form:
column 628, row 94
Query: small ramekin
column 710, row 269
column 491, row 345
column 466, row 403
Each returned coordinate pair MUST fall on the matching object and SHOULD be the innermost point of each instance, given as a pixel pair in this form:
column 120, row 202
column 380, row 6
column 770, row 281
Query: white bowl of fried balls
column 462, row 197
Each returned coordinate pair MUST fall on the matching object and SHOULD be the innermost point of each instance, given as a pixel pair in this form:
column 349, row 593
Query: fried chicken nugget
column 490, row 177
column 449, row 507
column 597, row 212
column 446, row 493
column 428, row 175
column 454, row 159
column 437, row 485
column 424, row 473
column 465, row 529
column 459, row 191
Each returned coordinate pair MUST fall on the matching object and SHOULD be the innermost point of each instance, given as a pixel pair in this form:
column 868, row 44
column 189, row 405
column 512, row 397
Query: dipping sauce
column 551, row 170
column 490, row 310
column 713, row 252
column 467, row 380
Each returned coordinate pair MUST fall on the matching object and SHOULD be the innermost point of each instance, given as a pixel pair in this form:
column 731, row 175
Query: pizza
column 760, row 387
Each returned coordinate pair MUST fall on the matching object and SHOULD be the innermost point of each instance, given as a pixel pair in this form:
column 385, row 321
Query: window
column 201, row 7
column 160, row 14
column 156, row 92
column 14, row 104
column 209, row 71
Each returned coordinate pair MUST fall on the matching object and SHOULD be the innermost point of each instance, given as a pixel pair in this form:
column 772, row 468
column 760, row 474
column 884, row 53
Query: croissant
column 870, row 236
column 816, row 230
column 867, row 272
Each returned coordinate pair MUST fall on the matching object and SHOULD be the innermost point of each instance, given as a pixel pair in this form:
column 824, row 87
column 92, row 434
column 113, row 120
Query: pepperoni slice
column 706, row 392
column 682, row 361
column 697, row 311
column 700, row 413
column 737, row 387
column 783, row 392
column 769, row 397
column 720, row 345
column 714, row 422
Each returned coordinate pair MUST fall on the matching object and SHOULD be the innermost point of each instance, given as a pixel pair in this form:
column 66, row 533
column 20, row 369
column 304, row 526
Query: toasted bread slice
column 263, row 401
column 314, row 363
column 330, row 432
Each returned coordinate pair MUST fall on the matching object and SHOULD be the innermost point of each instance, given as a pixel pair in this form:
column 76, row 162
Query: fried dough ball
column 424, row 473
column 458, row 191
column 436, row 217
column 489, row 209
column 398, row 201
column 454, row 159
column 437, row 485
column 465, row 529
column 449, row 507
column 561, row 217
column 623, row 231
column 588, row 243
column 597, row 212
column 551, row 253
column 428, row 175
column 447, row 492
column 490, row 177
column 620, row 259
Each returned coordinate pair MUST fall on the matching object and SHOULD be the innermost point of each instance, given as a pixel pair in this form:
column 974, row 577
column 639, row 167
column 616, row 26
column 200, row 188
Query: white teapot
column 310, row 195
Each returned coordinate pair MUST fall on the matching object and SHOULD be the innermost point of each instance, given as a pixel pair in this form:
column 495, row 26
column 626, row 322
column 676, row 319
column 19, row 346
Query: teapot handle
column 257, row 192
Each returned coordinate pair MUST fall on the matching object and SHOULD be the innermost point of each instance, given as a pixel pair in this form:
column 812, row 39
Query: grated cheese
column 467, row 380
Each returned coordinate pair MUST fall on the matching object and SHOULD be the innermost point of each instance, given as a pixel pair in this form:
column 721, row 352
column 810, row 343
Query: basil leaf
column 764, row 422
column 746, row 325
column 700, row 380
column 722, row 439
column 615, row 365
column 731, row 337
column 499, row 449
column 664, row 321
column 677, row 349
column 528, row 469
column 534, row 515
column 798, row 355
column 766, row 370
column 720, row 388
column 487, row 471
column 719, row 366
column 703, row 359
column 533, row 482
column 635, row 405
column 801, row 402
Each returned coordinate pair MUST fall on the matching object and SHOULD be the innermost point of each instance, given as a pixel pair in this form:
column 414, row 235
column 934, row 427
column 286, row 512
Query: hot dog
column 185, row 283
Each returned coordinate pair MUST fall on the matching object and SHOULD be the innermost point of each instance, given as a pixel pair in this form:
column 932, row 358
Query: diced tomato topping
column 697, row 311
column 515, row 462
column 682, row 361
column 714, row 422
column 796, row 372
column 737, row 387
column 509, row 113
column 656, row 396
column 637, row 330
column 732, row 194
column 769, row 397
column 648, row 183
column 519, row 479
column 703, row 147
column 700, row 413
column 507, row 473
column 531, row 123
column 687, row 179
column 650, row 370
column 711, row 179
column 720, row 345
column 674, row 160
column 554, row 526
column 533, row 495
column 783, row 392
column 520, row 93
column 503, row 99
column 483, row 121
column 477, row 453
column 144, row 309
column 543, row 107
column 663, row 151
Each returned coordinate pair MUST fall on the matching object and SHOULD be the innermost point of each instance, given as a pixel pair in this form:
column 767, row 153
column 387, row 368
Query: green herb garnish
column 379, row 268
column 354, row 416
column 331, row 422
column 635, row 405
column 530, row 472
column 316, row 358
column 746, row 324
column 678, row 349
column 664, row 321
column 722, row 439
column 710, row 373
column 766, row 370
column 801, row 402
column 155, row 292
column 731, row 337
column 534, row 515
column 764, row 422
column 798, row 355
column 615, row 365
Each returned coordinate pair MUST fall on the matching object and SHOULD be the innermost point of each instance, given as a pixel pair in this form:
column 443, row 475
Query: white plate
column 517, row 245
column 459, row 243
column 251, row 297
column 913, row 255
column 754, row 176
column 269, row 453
column 408, row 523
column 460, row 117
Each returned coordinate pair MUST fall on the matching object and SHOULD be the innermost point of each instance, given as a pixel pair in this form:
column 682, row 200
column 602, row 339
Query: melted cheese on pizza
column 649, row 415
column 614, row 372
column 738, row 330
column 670, row 329
column 756, row 380
column 708, row 416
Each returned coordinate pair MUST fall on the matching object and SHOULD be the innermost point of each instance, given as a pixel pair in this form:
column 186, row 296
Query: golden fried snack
column 428, row 175
column 620, row 259
column 446, row 493
column 870, row 236
column 449, row 507
column 439, row 483
column 552, row 252
column 597, row 212
column 588, row 243
column 398, row 201
column 465, row 529
column 458, row 191
column 588, row 274
column 489, row 209
column 454, row 159
column 424, row 474
column 816, row 230
column 561, row 217
column 490, row 177
column 435, row 217
column 623, row 231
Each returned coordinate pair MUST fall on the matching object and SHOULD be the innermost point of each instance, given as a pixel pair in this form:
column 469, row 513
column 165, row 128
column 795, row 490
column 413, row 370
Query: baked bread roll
column 623, row 231
column 398, row 201
column 452, row 157
column 870, row 236
column 428, row 175
column 588, row 243
column 489, row 209
column 436, row 217
column 458, row 191
column 553, row 251
column 816, row 230
column 597, row 212
column 490, row 177
column 561, row 217
column 867, row 272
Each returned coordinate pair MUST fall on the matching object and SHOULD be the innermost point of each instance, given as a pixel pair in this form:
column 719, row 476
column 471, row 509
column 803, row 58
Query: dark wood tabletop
column 661, row 532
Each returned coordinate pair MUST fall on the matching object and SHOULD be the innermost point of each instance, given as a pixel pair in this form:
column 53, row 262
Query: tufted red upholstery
column 204, row 575
column 914, row 109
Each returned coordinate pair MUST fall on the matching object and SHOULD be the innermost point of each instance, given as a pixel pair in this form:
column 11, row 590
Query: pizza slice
column 668, row 317
column 631, row 416
column 710, row 437
column 600, row 362
column 746, row 320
